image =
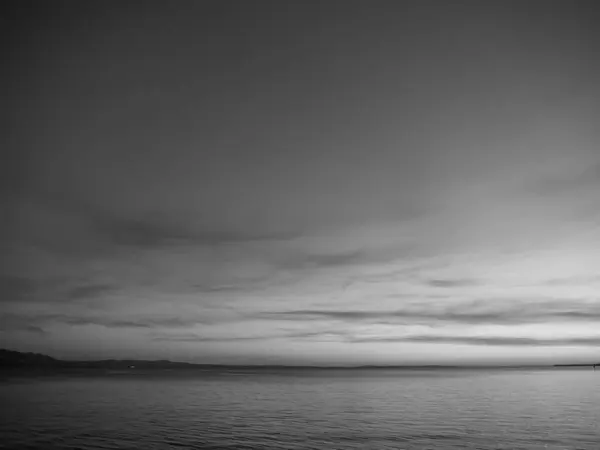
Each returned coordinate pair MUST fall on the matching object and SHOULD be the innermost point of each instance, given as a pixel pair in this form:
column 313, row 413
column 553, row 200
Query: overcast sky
column 323, row 182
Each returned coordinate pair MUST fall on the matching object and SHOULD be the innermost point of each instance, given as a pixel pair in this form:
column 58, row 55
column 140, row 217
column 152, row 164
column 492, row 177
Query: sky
column 316, row 182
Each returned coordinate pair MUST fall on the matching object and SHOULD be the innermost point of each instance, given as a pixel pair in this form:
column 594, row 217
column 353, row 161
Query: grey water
column 320, row 409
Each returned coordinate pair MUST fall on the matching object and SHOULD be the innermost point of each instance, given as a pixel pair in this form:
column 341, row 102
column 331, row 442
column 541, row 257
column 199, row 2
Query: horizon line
column 317, row 366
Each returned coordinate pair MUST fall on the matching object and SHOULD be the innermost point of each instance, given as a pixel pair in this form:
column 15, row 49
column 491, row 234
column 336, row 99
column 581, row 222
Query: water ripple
column 549, row 410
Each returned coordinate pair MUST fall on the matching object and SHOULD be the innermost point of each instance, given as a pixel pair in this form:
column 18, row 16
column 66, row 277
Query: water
column 370, row 409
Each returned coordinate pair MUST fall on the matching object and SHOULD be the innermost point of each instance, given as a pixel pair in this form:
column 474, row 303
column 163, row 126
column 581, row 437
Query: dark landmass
column 23, row 363
column 18, row 360
column 576, row 365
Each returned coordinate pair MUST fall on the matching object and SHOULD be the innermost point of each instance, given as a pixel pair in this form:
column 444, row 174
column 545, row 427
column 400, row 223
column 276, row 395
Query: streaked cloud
column 476, row 312
column 488, row 341
column 23, row 321
column 452, row 283
column 303, row 335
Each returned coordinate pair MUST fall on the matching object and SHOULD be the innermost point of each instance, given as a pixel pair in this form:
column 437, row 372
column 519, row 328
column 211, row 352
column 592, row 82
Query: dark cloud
column 77, row 227
column 15, row 289
column 192, row 337
column 89, row 291
column 113, row 323
column 491, row 312
column 141, row 232
column 311, row 335
column 485, row 340
column 161, row 322
column 222, row 288
column 317, row 261
column 12, row 321
column 34, row 329
column 157, row 230
column 448, row 283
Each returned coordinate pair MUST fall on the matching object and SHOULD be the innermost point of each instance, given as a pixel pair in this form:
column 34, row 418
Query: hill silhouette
column 10, row 358
column 19, row 360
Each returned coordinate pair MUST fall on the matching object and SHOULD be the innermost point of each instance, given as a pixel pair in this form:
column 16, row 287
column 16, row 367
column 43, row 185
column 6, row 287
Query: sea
column 525, row 409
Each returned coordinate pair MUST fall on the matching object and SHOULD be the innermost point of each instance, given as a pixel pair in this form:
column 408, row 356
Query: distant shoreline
column 209, row 368
column 576, row 365
column 14, row 361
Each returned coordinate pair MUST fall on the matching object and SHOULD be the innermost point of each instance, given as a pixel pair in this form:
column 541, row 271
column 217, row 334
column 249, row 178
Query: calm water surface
column 370, row 409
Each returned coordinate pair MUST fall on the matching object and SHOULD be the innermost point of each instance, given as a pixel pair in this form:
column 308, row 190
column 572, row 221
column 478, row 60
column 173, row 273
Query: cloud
column 224, row 288
column 19, row 290
column 299, row 260
column 473, row 312
column 172, row 322
column 66, row 225
column 153, row 231
column 9, row 322
column 89, row 291
column 451, row 283
column 151, row 277
column 34, row 329
column 484, row 340
column 19, row 321
column 140, row 232
column 195, row 337
column 16, row 289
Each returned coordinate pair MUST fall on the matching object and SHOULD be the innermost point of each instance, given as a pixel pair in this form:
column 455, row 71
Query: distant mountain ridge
column 14, row 359
column 11, row 358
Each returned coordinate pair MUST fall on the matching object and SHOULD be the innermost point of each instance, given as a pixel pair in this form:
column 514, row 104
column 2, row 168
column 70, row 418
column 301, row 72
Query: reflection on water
column 368, row 409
